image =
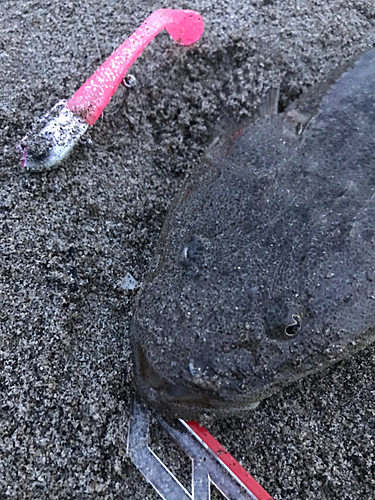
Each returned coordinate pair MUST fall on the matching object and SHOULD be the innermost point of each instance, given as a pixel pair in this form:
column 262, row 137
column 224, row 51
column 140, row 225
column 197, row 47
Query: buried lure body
column 53, row 137
column 265, row 269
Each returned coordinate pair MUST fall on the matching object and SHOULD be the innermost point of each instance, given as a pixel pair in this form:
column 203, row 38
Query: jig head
column 53, row 137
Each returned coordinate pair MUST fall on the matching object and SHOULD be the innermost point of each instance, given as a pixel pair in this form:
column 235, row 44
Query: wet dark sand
column 69, row 236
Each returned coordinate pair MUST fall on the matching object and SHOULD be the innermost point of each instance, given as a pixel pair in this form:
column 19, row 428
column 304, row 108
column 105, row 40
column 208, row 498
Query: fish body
column 265, row 268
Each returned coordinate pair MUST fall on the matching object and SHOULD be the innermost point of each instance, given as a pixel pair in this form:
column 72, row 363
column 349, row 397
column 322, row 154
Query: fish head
column 218, row 325
column 221, row 325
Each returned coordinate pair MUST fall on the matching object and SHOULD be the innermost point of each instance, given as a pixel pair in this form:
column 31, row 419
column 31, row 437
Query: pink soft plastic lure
column 57, row 132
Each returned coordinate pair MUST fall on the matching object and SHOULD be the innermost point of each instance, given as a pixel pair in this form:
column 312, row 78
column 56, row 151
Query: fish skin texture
column 265, row 269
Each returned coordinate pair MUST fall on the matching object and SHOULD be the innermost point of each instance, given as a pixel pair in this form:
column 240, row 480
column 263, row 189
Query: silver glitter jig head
column 51, row 138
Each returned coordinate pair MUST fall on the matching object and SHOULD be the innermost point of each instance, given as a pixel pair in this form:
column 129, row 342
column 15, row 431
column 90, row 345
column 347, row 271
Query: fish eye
column 294, row 328
column 189, row 251
column 281, row 320
column 186, row 252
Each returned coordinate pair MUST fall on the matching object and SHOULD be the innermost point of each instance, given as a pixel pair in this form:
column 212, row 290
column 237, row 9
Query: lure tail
column 184, row 26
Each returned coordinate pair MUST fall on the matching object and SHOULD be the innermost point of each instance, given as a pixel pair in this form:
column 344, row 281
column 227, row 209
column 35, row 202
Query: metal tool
column 211, row 463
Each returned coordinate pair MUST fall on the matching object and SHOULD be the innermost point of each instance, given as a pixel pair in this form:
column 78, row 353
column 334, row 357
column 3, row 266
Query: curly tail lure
column 53, row 137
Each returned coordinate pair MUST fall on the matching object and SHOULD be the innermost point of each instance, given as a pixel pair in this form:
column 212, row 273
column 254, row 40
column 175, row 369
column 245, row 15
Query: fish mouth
column 177, row 400
column 156, row 383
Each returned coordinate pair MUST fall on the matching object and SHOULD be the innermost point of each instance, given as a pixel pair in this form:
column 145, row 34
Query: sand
column 68, row 238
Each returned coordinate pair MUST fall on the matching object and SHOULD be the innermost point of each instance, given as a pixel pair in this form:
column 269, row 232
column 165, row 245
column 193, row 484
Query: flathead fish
column 265, row 269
